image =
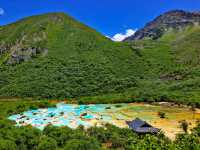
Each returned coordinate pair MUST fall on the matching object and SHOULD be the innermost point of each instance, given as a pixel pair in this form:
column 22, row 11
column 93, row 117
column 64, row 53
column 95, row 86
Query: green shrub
column 80, row 144
column 7, row 145
column 161, row 115
column 47, row 143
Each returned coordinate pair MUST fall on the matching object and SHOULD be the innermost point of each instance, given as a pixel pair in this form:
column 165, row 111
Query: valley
column 65, row 86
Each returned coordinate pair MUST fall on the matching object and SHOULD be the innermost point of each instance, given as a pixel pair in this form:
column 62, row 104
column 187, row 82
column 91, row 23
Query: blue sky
column 107, row 16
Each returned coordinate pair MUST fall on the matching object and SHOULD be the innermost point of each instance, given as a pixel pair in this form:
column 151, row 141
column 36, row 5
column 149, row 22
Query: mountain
column 172, row 20
column 55, row 56
column 35, row 35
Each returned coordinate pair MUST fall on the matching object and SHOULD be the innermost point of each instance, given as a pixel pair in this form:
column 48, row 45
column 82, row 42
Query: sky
column 113, row 18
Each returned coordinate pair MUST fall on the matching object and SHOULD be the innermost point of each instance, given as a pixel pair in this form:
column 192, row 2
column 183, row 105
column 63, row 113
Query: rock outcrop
column 25, row 54
column 177, row 19
column 17, row 53
column 20, row 50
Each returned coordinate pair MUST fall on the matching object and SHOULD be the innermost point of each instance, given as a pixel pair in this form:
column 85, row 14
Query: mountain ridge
column 175, row 19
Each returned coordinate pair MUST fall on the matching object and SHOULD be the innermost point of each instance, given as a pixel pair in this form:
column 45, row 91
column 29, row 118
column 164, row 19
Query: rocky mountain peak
column 176, row 19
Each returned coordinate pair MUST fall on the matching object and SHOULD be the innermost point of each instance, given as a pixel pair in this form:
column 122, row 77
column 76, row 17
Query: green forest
column 53, row 56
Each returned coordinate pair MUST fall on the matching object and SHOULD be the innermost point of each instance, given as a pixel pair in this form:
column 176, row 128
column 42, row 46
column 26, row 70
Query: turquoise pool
column 89, row 115
column 65, row 115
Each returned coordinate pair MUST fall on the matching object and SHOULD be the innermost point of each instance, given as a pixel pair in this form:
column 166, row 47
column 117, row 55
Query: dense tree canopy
column 94, row 138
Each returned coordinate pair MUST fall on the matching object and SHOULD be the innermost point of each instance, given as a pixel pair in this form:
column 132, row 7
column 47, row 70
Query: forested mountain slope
column 54, row 56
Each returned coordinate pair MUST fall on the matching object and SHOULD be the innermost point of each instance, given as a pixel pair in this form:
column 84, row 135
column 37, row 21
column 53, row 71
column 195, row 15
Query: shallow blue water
column 62, row 115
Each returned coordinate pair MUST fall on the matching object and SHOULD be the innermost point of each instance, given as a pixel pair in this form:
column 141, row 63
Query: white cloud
column 121, row 36
column 2, row 11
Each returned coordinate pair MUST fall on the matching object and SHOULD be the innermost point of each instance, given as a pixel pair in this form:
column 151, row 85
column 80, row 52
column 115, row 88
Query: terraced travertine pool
column 72, row 115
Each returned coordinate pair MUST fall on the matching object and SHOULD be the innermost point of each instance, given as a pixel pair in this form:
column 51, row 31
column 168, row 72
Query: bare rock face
column 16, row 54
column 20, row 51
column 176, row 19
column 24, row 54
column 2, row 50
